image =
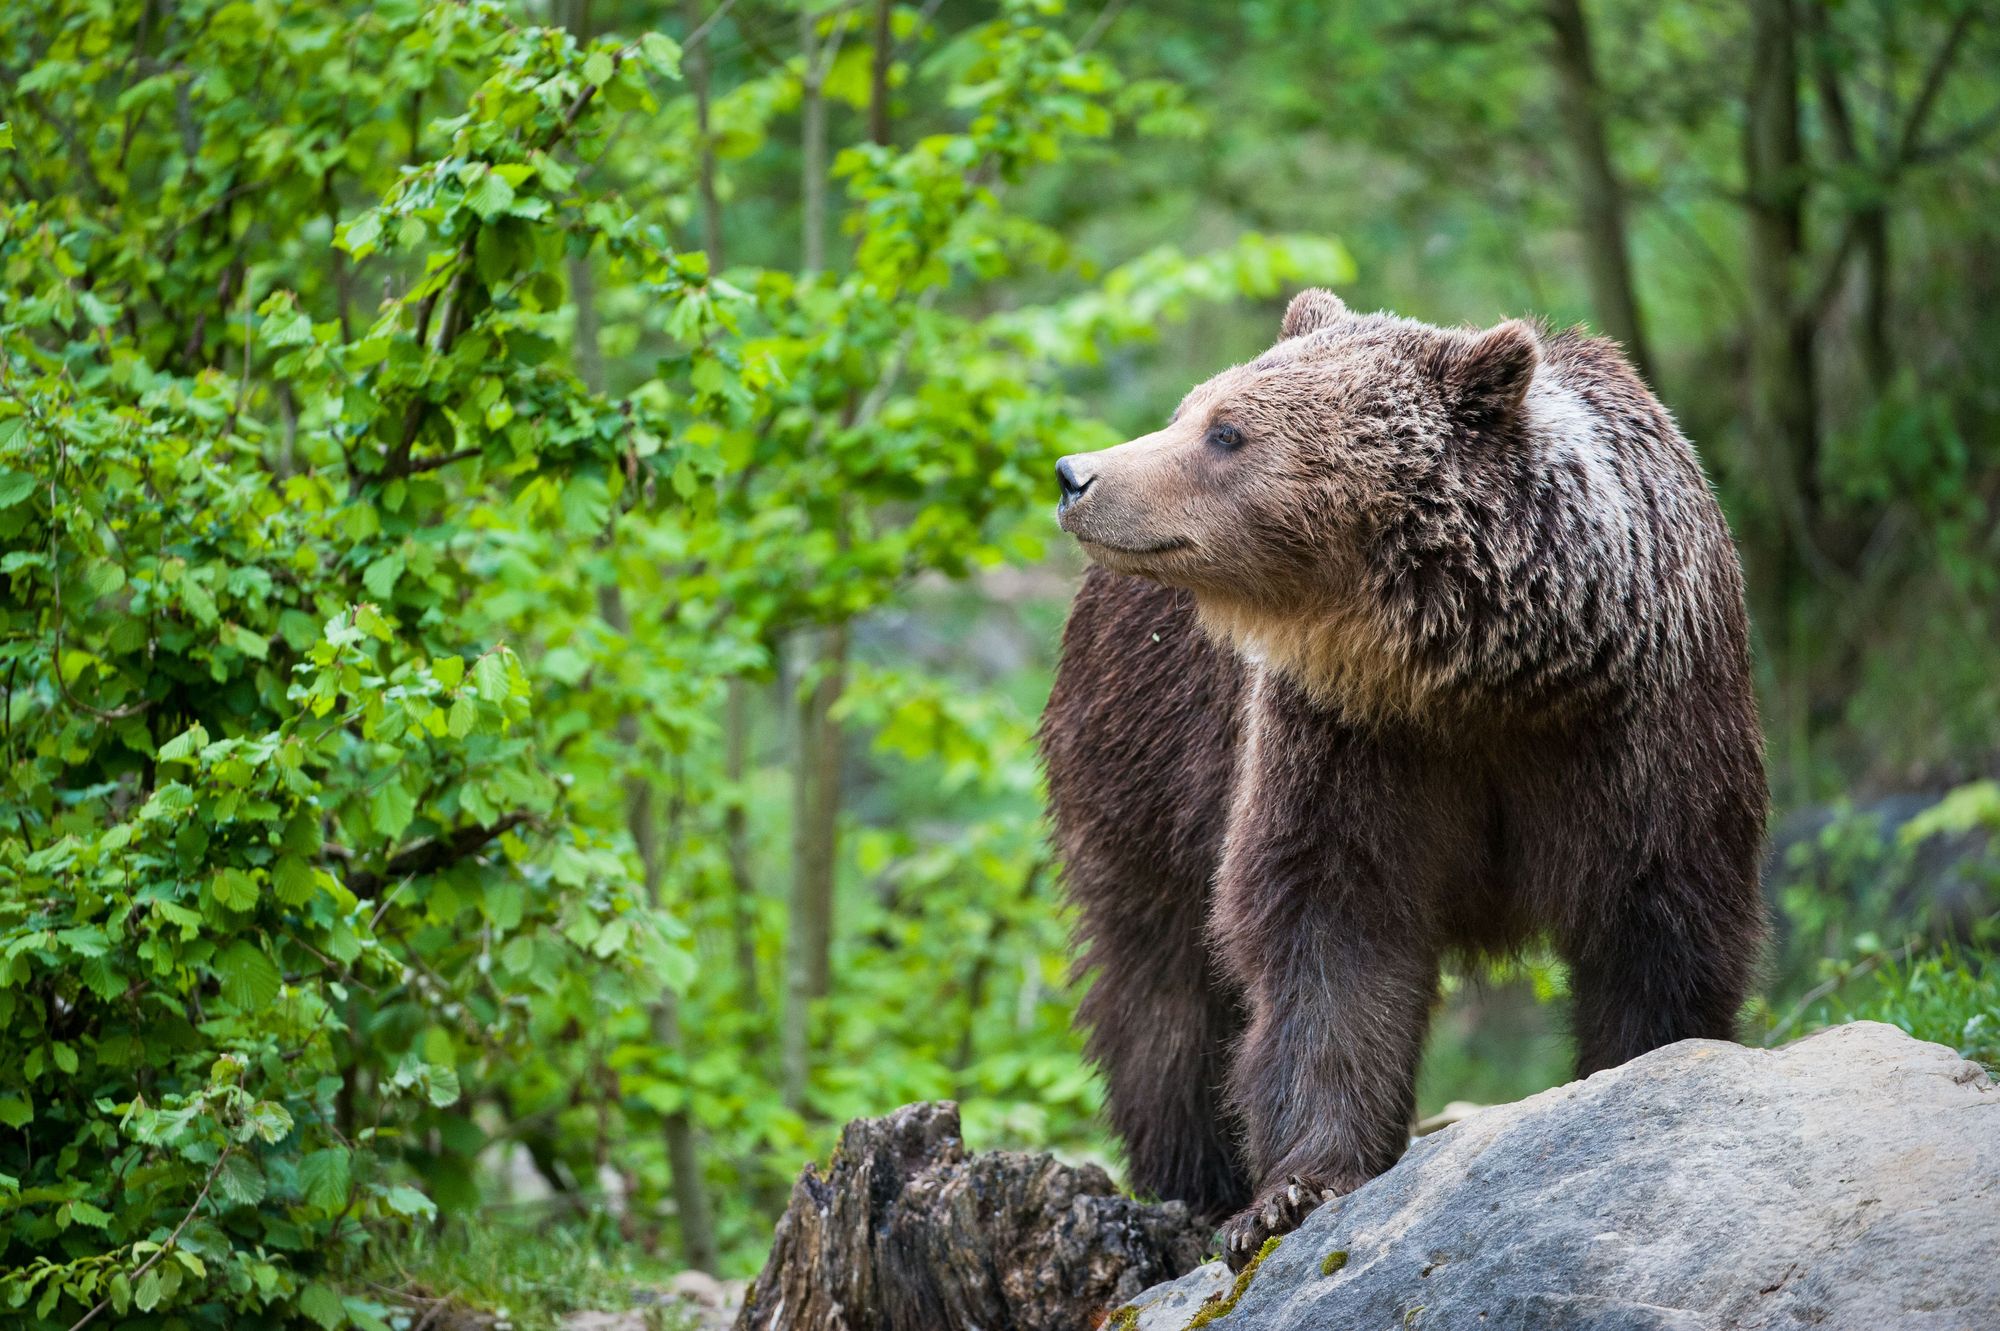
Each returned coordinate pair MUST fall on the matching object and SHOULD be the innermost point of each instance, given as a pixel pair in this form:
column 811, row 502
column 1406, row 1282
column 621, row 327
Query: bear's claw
column 1278, row 1211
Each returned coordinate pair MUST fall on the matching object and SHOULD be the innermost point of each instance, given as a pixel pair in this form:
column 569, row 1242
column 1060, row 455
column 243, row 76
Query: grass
column 514, row 1276
column 1950, row 996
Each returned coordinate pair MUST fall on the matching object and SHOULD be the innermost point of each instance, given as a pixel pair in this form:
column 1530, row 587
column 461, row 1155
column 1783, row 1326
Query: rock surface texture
column 1850, row 1180
column 906, row 1232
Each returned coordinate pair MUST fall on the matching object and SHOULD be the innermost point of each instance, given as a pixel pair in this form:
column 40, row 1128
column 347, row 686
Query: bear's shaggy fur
column 1404, row 644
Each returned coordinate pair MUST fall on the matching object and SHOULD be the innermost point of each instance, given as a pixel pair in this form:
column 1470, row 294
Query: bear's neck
column 1342, row 656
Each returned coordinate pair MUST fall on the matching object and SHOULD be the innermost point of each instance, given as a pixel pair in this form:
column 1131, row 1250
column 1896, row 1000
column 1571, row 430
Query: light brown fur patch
column 1344, row 657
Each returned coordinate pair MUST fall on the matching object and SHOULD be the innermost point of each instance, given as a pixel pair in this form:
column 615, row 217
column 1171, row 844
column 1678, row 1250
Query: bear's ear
column 1488, row 375
column 1311, row 310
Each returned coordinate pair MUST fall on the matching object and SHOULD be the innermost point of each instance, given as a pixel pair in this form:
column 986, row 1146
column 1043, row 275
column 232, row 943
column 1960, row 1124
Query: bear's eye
column 1224, row 436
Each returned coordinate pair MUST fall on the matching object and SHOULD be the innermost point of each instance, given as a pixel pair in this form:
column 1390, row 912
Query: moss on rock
column 1223, row 1306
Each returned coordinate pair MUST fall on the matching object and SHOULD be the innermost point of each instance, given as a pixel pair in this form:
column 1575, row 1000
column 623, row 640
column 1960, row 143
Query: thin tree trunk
column 815, row 851
column 695, row 66
column 1783, row 412
column 1870, row 218
column 1600, row 194
column 1878, row 358
column 812, row 134
column 816, row 772
column 878, row 76
column 736, row 737
column 736, row 835
column 1784, row 422
column 697, row 1223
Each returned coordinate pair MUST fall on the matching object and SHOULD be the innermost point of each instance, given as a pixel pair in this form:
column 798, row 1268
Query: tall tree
column 823, row 650
column 1600, row 194
column 1784, row 417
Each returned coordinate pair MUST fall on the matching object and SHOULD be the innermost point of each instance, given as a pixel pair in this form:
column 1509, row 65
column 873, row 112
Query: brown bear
column 1403, row 645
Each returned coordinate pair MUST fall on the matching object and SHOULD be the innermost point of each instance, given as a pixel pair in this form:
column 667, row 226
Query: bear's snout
column 1073, row 479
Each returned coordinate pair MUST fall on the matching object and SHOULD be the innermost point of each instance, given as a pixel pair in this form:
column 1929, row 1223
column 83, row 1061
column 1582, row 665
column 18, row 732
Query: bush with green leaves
column 393, row 495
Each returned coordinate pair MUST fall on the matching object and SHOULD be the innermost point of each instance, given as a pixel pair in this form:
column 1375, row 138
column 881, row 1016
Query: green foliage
column 1867, row 954
column 521, row 1275
column 362, row 658
column 422, row 455
column 1950, row 997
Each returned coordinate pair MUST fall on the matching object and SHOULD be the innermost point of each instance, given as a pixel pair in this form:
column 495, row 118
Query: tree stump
column 906, row 1232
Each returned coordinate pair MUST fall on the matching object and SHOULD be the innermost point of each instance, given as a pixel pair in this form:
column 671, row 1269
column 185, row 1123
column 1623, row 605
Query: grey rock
column 1849, row 1180
column 1171, row 1306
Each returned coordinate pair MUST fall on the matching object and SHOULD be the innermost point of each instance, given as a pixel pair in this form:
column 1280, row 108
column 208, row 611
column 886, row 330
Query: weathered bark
column 906, row 1232
column 1600, row 195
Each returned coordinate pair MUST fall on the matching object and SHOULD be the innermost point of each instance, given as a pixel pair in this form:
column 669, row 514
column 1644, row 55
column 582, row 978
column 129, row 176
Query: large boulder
column 1850, row 1180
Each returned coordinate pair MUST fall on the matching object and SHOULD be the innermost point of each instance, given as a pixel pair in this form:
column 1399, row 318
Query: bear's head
column 1267, row 491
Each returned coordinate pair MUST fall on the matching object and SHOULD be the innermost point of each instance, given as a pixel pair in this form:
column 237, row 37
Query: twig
column 436, row 853
column 706, row 24
column 166, row 1247
column 443, row 460
column 1101, row 25
column 1821, row 990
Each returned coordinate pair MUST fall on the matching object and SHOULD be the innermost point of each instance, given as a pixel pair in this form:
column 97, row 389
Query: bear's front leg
column 1323, row 916
column 1324, row 1080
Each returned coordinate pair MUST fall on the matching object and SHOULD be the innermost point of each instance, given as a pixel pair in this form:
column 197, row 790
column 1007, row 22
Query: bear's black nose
column 1073, row 482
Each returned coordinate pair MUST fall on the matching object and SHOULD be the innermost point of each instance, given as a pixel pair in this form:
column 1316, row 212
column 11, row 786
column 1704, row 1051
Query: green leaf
column 358, row 236
column 234, row 888
column 489, row 676
column 240, row 1180
column 16, row 1111
column 182, row 746
column 519, row 954
column 147, row 1296
column 14, row 487
column 83, row 1213
column 391, row 808
column 380, row 576
column 464, row 713
column 169, row 800
column 490, row 196
column 253, row 645
column 441, row 1085
column 292, row 879
column 323, row 1305
column 662, row 53
column 268, row 1120
column 369, row 620
column 250, row 979
column 323, row 1180
column 448, row 671
column 288, row 328
column 198, row 601
column 406, row 1200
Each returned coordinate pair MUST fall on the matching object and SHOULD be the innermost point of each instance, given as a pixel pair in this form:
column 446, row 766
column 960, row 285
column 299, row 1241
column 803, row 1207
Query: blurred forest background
column 530, row 580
